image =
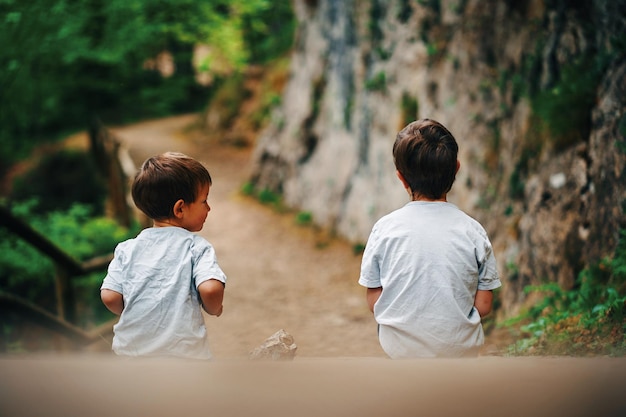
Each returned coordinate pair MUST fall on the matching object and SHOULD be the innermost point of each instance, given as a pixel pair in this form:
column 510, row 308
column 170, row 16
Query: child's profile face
column 197, row 211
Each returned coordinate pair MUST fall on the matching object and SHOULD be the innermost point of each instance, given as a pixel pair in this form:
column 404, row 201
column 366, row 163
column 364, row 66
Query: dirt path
column 280, row 275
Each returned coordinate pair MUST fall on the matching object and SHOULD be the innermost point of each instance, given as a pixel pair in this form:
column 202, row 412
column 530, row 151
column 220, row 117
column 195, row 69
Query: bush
column 27, row 273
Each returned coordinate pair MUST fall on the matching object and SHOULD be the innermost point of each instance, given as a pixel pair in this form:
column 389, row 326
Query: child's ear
column 458, row 165
column 178, row 208
column 402, row 179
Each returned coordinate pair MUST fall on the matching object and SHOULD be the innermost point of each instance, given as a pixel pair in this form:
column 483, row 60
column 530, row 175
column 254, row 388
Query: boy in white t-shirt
column 159, row 281
column 428, row 267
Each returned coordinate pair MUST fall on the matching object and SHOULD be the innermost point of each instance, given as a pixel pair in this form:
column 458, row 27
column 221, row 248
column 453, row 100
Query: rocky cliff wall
column 534, row 92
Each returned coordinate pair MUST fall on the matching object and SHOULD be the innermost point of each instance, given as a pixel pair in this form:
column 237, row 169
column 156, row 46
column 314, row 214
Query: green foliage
column 264, row 195
column 618, row 263
column 60, row 180
column 267, row 196
column 621, row 140
column 270, row 101
column 589, row 319
column 79, row 233
column 304, row 218
column 25, row 272
column 269, row 32
column 247, row 189
column 348, row 107
column 358, row 248
column 431, row 49
column 383, row 54
column 404, row 11
column 65, row 61
column 410, row 108
column 565, row 108
column 228, row 98
column 434, row 5
column 376, row 15
column 377, row 83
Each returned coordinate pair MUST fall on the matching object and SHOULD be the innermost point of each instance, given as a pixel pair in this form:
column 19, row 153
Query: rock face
column 534, row 91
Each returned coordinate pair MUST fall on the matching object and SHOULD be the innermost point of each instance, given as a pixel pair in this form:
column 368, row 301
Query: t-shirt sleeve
column 205, row 266
column 113, row 279
column 488, row 278
column 370, row 266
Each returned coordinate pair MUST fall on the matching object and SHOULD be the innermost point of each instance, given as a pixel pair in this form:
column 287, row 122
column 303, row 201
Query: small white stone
column 279, row 346
column 557, row 180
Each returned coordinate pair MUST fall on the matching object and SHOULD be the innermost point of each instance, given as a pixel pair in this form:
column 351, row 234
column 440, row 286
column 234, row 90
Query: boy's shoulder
column 163, row 235
column 417, row 207
column 164, row 240
column 429, row 212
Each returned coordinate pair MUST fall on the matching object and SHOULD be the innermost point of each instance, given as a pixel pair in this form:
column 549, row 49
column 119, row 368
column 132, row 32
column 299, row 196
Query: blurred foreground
column 103, row 385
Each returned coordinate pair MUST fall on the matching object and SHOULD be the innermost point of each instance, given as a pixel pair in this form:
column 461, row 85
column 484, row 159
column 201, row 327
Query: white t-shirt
column 430, row 258
column 158, row 273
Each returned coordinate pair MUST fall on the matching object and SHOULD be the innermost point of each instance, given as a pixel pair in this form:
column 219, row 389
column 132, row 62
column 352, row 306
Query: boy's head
column 164, row 179
column 425, row 154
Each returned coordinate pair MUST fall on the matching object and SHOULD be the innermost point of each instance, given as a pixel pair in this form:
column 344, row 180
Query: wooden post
column 117, row 185
column 66, row 300
column 105, row 148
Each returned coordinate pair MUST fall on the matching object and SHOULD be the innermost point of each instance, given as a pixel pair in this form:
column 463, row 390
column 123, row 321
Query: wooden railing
column 67, row 268
column 108, row 154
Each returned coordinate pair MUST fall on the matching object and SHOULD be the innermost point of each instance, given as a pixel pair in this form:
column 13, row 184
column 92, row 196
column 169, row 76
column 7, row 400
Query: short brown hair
column 164, row 179
column 425, row 153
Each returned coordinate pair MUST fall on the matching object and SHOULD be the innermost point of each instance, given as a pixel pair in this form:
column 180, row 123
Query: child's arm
column 113, row 300
column 212, row 296
column 372, row 296
column 483, row 302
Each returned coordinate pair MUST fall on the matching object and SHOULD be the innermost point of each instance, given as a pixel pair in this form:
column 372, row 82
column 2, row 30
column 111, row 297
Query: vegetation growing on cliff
column 589, row 319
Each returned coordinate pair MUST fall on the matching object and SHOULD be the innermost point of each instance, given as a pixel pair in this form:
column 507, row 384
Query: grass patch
column 304, row 218
column 265, row 196
column 358, row 248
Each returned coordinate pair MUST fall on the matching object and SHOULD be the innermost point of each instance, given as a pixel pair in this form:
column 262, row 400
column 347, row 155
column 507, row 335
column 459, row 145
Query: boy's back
column 427, row 256
column 159, row 272
column 158, row 282
column 428, row 267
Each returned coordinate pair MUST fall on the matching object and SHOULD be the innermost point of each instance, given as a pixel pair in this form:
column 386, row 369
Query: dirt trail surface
column 282, row 276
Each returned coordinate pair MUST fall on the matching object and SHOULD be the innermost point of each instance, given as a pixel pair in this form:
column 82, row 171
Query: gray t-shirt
column 158, row 274
column 430, row 258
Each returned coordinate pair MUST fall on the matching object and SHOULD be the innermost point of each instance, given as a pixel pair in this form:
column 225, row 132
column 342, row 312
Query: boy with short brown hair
column 158, row 281
column 428, row 267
